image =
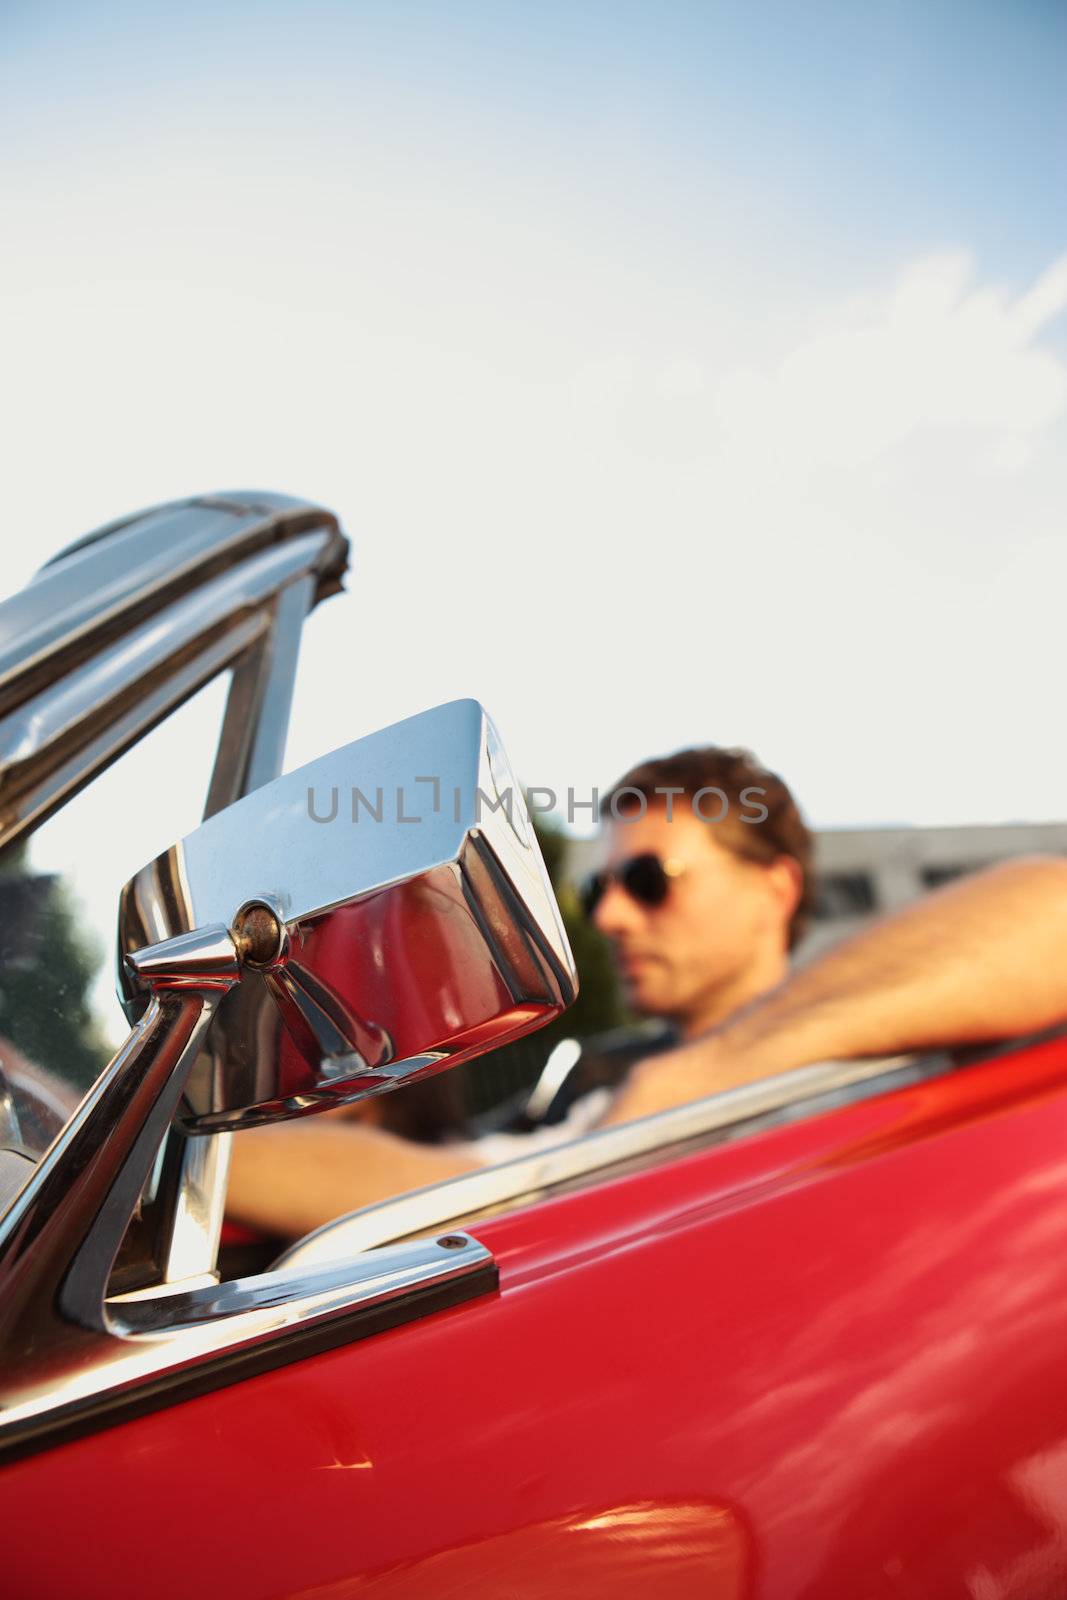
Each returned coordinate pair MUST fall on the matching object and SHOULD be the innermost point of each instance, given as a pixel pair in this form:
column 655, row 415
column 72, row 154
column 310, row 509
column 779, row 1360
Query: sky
column 681, row 373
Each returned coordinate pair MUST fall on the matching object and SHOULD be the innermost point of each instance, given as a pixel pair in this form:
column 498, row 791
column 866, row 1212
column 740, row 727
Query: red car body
column 821, row 1360
column 776, row 1348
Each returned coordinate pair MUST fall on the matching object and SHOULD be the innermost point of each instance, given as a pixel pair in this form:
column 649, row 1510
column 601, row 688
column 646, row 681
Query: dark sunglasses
column 645, row 878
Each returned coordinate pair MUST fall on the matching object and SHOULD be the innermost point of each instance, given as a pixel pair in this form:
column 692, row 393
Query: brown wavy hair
column 736, row 772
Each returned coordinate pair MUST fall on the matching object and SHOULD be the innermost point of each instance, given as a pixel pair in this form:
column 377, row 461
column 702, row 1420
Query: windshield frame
column 114, row 634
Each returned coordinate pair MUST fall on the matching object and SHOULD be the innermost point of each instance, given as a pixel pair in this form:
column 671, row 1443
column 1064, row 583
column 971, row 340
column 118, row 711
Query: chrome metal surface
column 30, row 794
column 116, row 632
column 134, row 567
column 252, row 746
column 60, row 1235
column 193, row 1245
column 203, row 958
column 251, row 752
column 148, row 1339
column 417, row 933
column 64, row 1348
column 77, row 717
column 274, row 1299
column 251, row 749
column 530, row 1178
column 122, row 628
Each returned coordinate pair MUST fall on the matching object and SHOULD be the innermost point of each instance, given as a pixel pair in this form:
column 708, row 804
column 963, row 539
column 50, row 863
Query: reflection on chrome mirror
column 390, row 910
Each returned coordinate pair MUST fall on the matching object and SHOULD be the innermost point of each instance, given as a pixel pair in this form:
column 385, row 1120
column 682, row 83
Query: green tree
column 47, row 968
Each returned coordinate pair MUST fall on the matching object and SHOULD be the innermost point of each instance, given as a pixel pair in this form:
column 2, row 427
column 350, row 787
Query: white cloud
column 939, row 352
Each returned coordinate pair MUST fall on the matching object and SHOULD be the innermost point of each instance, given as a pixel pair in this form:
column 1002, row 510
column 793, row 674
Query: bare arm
column 983, row 959
column 294, row 1176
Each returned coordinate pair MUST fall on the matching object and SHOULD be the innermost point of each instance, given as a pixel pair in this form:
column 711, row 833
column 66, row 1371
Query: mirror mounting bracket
column 70, row 1357
column 253, row 924
column 60, row 1236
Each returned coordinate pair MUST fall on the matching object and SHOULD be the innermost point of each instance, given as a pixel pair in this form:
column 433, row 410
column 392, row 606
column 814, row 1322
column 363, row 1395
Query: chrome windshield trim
column 112, row 580
column 250, row 753
column 57, row 711
column 251, row 748
column 59, row 738
column 531, row 1178
column 113, row 634
column 42, row 789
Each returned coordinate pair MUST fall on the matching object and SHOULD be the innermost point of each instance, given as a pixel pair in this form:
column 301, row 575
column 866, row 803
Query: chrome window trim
column 166, row 1346
column 528, row 1179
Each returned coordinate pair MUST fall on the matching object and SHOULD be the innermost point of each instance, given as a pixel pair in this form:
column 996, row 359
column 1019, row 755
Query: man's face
column 720, row 928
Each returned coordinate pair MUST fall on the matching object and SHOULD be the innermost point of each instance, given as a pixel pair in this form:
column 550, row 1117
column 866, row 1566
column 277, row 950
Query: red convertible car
column 804, row 1338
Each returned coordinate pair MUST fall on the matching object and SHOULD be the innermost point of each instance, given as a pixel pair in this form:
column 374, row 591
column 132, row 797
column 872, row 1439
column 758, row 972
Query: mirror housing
column 392, row 916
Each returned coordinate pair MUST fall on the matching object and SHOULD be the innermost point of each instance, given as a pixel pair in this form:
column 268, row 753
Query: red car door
column 825, row 1359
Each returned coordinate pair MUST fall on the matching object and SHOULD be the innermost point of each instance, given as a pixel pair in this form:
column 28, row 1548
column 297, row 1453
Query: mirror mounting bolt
column 258, row 935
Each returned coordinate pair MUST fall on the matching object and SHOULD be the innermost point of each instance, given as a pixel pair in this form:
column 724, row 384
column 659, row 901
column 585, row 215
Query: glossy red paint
column 826, row 1360
column 447, row 991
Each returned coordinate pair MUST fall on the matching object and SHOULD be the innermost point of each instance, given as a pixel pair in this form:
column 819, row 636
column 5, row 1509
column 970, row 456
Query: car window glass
column 60, row 1019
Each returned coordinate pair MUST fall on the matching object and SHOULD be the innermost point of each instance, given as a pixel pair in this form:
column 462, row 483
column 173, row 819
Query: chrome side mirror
column 287, row 956
column 391, row 916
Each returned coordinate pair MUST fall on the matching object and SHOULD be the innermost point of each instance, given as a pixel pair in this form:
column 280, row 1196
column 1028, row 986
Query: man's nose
column 616, row 912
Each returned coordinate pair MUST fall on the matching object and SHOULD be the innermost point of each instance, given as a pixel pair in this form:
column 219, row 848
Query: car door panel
column 823, row 1360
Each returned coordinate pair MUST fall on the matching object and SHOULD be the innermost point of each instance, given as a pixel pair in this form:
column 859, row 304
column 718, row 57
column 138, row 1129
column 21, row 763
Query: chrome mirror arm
column 61, row 1233
column 69, row 1357
column 327, row 970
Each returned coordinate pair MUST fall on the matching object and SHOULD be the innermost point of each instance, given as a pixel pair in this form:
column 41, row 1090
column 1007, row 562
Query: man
column 982, row 959
column 708, row 887
column 711, row 924
column 706, row 890
column 702, row 907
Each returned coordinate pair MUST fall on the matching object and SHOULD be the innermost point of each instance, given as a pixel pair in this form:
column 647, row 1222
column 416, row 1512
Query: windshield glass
column 60, row 1019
